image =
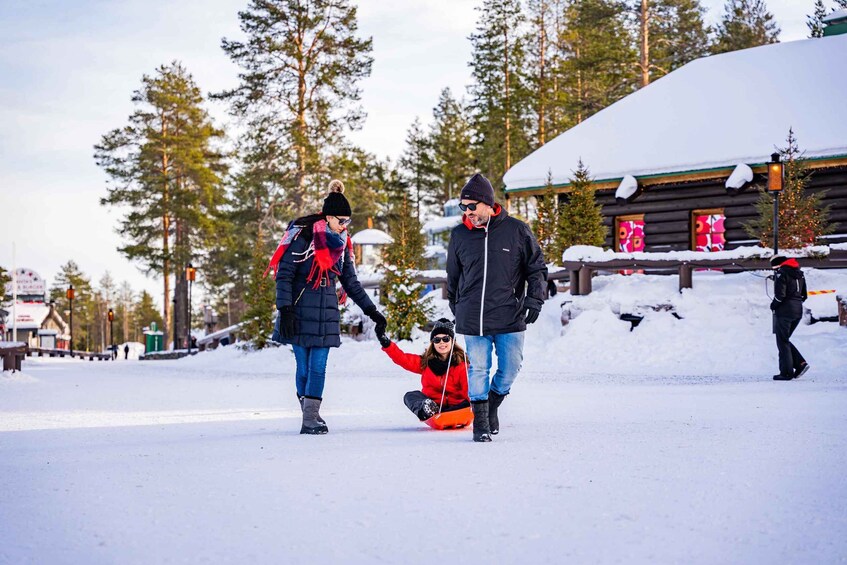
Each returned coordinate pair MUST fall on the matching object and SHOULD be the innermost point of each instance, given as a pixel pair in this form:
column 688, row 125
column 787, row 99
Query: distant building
column 37, row 322
column 368, row 245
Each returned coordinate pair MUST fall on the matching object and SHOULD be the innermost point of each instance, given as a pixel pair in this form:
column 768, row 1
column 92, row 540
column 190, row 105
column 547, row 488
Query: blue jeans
column 311, row 370
column 509, row 348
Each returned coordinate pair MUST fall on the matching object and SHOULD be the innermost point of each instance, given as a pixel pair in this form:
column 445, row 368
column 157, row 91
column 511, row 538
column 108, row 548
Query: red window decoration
column 630, row 235
column 709, row 231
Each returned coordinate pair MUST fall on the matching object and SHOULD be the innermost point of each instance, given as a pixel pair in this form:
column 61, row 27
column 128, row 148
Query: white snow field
column 667, row 444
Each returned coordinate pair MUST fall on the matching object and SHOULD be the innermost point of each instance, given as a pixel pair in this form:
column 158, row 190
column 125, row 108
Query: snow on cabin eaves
column 711, row 113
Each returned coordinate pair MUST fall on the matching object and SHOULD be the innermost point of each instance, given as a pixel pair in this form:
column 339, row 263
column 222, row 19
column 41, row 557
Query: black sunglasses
column 445, row 339
column 344, row 221
column 472, row 206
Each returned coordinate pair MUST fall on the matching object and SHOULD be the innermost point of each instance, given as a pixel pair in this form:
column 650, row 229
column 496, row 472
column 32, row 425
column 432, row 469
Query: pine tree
column 815, row 21
column 745, row 23
column 418, row 165
column 580, row 219
column 300, row 64
column 542, row 60
column 83, row 302
column 260, row 303
column 671, row 33
column 144, row 313
column 597, row 67
column 803, row 219
column 451, row 146
column 164, row 169
column 499, row 93
column 404, row 308
column 546, row 224
column 4, row 278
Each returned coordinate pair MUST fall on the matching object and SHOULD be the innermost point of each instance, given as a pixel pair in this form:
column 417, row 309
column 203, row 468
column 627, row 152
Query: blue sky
column 68, row 69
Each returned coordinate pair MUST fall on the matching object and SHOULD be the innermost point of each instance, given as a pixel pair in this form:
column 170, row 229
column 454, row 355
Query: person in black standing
column 787, row 305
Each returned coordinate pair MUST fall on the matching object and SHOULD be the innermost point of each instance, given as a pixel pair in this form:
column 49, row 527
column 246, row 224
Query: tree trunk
column 645, row 43
column 542, row 83
column 507, row 100
column 166, row 224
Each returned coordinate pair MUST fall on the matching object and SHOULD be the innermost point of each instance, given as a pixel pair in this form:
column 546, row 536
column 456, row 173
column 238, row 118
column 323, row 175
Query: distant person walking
column 495, row 286
column 315, row 252
column 126, row 351
column 789, row 290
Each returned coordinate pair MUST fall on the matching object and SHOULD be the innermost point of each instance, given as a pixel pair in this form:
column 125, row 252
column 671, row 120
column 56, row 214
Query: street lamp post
column 190, row 274
column 70, row 294
column 112, row 334
column 776, row 175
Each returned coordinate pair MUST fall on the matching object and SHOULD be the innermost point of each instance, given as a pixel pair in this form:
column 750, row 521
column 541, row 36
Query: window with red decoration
column 629, row 236
column 707, row 230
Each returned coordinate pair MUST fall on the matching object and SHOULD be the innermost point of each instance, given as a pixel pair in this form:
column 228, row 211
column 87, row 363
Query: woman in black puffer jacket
column 314, row 253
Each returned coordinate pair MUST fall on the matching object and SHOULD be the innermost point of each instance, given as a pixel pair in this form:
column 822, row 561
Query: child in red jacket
column 433, row 368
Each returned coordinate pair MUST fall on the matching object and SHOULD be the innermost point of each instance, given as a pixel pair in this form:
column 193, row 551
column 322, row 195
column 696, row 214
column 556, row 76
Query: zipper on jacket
column 484, row 277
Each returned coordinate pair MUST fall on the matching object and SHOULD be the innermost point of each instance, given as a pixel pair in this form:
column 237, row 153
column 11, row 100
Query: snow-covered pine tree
column 815, row 21
column 580, row 219
column 404, row 308
column 546, row 224
column 4, row 278
column 745, row 23
column 144, row 312
column 803, row 218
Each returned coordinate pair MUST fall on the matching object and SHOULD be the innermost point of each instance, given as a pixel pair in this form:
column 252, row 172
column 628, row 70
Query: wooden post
column 444, row 291
column 574, row 280
column 842, row 310
column 685, row 279
column 585, row 281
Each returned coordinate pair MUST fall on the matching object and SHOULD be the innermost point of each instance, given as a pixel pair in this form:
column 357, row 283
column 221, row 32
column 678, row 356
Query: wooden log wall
column 667, row 209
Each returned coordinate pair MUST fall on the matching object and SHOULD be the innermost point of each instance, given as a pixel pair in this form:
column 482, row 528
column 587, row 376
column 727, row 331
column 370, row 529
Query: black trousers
column 414, row 400
column 790, row 359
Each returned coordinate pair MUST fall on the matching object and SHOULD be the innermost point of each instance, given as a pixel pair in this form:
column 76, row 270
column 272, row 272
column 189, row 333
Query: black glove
column 531, row 315
column 384, row 340
column 774, row 305
column 286, row 321
column 377, row 317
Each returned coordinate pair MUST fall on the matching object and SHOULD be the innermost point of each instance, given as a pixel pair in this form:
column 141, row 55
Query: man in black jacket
column 789, row 289
column 495, row 284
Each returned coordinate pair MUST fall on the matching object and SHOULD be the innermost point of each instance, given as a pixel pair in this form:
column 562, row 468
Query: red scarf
column 326, row 248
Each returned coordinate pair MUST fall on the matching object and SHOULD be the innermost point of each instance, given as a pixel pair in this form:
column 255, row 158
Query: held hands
column 377, row 317
column 286, row 321
column 384, row 340
column 531, row 315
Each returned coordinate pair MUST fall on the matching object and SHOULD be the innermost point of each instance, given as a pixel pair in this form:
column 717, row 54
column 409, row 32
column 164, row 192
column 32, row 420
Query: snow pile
column 592, row 254
column 438, row 225
column 627, row 187
column 741, row 175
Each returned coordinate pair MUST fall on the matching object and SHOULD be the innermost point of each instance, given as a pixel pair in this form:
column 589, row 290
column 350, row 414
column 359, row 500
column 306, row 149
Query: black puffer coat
column 789, row 289
column 493, row 275
column 318, row 319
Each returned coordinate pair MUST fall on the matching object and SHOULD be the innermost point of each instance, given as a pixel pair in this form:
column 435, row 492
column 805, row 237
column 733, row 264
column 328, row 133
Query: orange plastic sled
column 452, row 419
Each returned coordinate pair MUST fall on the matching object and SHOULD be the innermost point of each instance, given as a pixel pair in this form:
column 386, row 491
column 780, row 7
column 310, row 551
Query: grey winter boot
column 300, row 398
column 311, row 425
column 481, row 429
column 494, row 402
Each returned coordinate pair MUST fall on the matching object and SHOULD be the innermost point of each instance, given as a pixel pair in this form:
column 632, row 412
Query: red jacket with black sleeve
column 431, row 384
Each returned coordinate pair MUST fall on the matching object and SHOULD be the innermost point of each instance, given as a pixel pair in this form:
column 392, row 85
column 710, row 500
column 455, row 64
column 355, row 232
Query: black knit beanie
column 478, row 188
column 335, row 204
column 442, row 326
column 778, row 260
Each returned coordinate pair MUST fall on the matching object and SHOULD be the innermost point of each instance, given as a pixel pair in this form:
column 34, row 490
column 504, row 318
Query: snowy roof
column 441, row 224
column 372, row 236
column 714, row 112
column 836, row 16
column 209, row 338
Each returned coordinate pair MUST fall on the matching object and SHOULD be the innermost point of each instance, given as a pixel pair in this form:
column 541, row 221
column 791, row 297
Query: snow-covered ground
column 667, row 444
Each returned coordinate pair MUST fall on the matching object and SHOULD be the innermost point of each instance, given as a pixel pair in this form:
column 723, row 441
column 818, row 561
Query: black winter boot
column 494, row 402
column 481, row 430
column 310, row 417
column 300, row 398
